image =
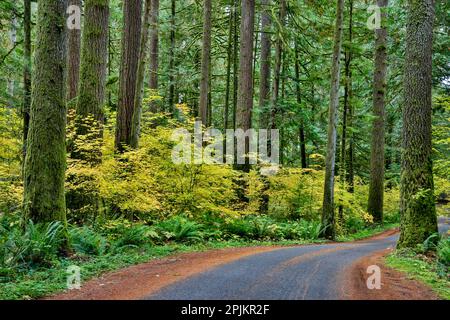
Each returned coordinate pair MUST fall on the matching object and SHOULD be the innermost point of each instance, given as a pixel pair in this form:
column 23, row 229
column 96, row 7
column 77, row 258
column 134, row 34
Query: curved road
column 295, row 273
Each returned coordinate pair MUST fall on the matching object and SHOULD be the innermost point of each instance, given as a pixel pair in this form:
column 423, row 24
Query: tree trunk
column 45, row 163
column 245, row 98
column 347, row 100
column 277, row 67
column 417, row 206
column 206, row 62
column 266, row 44
column 377, row 160
column 154, row 51
column 73, row 59
column 128, row 72
column 235, row 60
column 136, row 124
column 26, row 73
column 173, row 27
column 93, row 66
column 328, row 214
column 303, row 155
column 229, row 62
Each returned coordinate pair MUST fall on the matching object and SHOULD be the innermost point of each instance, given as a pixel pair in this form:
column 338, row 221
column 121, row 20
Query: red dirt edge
column 395, row 285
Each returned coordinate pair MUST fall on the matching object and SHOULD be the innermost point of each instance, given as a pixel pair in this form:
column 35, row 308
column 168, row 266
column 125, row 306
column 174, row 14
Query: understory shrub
column 37, row 246
column 86, row 241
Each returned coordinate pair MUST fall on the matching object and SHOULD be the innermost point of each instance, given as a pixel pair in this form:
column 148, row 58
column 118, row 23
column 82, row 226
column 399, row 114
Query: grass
column 427, row 271
column 46, row 281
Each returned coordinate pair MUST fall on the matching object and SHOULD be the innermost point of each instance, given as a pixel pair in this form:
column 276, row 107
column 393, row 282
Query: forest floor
column 317, row 271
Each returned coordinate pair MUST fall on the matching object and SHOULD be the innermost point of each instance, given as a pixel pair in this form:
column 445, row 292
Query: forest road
column 312, row 272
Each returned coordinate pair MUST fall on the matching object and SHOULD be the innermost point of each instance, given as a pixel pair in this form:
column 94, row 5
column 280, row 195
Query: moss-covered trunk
column 266, row 48
column 94, row 59
column 136, row 125
column 377, row 160
column 154, row 51
column 45, row 161
column 328, row 214
column 26, row 72
column 206, row 62
column 418, row 210
column 245, row 88
column 73, row 58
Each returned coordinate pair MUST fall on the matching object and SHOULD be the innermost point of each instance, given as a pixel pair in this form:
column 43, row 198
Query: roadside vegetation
column 428, row 263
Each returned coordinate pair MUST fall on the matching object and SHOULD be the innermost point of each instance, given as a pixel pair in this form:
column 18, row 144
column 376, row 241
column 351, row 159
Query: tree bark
column 45, row 162
column 94, row 62
column 229, row 63
column 132, row 11
column 173, row 27
column 266, row 48
column 277, row 66
column 245, row 96
column 377, row 160
column 154, row 51
column 206, row 62
column 73, row 58
column 26, row 73
column 328, row 214
column 136, row 125
column 235, row 60
column 303, row 155
column 417, row 205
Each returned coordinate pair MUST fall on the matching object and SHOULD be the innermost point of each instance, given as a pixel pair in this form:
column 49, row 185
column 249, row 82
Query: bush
column 443, row 251
column 137, row 235
column 86, row 241
column 181, row 229
column 37, row 246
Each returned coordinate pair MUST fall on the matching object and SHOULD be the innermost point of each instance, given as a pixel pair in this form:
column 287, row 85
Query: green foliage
column 137, row 235
column 37, row 246
column 443, row 251
column 85, row 241
column 181, row 229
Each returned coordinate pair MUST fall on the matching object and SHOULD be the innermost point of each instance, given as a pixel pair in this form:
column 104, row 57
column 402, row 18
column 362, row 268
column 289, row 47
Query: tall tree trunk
column 45, row 162
column 266, row 44
column 173, row 27
column 136, row 124
column 93, row 66
column 11, row 82
column 303, row 155
column 132, row 11
column 328, row 214
column 277, row 66
column 206, row 62
column 417, row 206
column 235, row 60
column 347, row 100
column 347, row 106
column 245, row 98
column 26, row 73
column 73, row 59
column 154, row 51
column 377, row 160
column 229, row 63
